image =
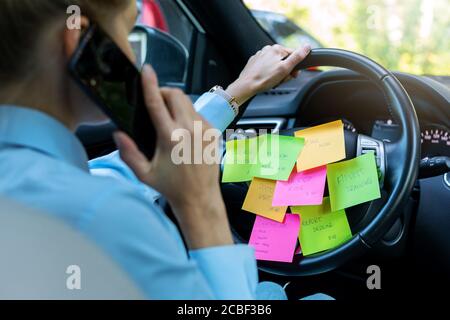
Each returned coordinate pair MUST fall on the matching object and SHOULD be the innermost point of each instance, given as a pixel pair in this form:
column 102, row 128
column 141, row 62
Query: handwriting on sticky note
column 302, row 189
column 322, row 229
column 324, row 144
column 274, row 241
column 259, row 200
column 353, row 182
column 268, row 156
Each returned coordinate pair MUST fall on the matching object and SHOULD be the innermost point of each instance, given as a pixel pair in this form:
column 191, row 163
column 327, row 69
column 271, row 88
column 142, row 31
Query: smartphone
column 113, row 82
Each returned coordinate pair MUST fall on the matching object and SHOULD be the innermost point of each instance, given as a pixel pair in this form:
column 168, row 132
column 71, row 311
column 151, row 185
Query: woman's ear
column 71, row 37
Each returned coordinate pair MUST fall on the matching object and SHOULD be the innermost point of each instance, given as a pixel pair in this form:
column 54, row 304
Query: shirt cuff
column 216, row 110
column 231, row 271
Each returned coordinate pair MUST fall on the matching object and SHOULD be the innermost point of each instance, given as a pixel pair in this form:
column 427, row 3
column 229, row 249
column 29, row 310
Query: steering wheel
column 398, row 162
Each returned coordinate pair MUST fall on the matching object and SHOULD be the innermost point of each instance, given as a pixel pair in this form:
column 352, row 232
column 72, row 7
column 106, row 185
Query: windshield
column 403, row 35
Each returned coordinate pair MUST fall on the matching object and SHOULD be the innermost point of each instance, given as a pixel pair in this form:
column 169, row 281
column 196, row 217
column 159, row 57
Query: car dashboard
column 318, row 97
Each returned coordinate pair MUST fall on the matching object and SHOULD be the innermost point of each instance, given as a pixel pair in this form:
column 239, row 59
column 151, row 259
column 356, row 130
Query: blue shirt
column 44, row 166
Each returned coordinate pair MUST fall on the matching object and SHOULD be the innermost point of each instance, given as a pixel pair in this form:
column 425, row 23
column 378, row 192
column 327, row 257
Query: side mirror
column 166, row 54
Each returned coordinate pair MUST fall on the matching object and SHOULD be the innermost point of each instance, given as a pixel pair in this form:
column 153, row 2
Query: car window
column 166, row 16
column 284, row 31
column 290, row 35
column 402, row 35
column 265, row 24
column 177, row 23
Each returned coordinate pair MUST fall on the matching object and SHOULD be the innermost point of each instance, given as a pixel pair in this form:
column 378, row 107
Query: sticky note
column 324, row 144
column 322, row 229
column 259, row 200
column 274, row 241
column 353, row 182
column 268, row 156
column 238, row 163
column 277, row 156
column 302, row 189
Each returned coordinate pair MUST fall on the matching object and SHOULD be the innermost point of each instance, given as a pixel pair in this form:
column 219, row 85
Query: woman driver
column 44, row 165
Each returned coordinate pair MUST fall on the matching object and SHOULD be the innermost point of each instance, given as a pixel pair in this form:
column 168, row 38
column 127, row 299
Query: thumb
column 297, row 56
column 131, row 155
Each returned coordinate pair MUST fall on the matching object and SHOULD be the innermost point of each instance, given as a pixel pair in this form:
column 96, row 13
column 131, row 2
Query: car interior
column 45, row 247
column 403, row 118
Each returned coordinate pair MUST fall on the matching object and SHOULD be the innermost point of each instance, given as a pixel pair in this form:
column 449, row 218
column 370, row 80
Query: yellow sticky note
column 324, row 144
column 259, row 200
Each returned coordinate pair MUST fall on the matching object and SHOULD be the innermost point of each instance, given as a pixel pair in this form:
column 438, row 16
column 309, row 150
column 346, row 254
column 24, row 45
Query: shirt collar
column 36, row 130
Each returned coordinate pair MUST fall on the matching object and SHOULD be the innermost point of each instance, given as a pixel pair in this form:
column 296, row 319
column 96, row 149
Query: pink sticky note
column 304, row 188
column 274, row 241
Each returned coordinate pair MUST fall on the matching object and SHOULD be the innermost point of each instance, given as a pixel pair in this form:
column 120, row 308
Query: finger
column 281, row 51
column 277, row 48
column 154, row 101
column 295, row 74
column 297, row 56
column 288, row 50
column 131, row 155
column 288, row 78
column 179, row 105
column 165, row 94
column 174, row 101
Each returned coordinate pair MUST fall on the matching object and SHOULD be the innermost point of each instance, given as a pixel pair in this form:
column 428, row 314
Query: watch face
column 215, row 88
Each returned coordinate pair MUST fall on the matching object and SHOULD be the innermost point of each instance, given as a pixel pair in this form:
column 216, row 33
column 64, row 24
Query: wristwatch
column 234, row 104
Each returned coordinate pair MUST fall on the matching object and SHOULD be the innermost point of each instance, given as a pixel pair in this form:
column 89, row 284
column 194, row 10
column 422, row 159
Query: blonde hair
column 21, row 22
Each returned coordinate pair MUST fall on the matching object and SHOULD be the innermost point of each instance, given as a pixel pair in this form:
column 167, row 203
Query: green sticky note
column 277, row 156
column 238, row 164
column 353, row 182
column 269, row 157
column 321, row 229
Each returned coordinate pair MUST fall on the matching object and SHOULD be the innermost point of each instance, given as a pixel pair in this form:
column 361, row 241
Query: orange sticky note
column 259, row 200
column 324, row 144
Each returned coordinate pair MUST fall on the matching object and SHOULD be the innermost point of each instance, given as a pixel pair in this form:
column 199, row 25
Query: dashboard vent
column 278, row 92
column 252, row 126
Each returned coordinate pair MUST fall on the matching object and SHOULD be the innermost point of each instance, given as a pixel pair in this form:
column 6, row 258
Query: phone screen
column 108, row 77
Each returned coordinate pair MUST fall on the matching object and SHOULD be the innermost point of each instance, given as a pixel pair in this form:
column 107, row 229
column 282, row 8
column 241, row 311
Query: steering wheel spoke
column 368, row 144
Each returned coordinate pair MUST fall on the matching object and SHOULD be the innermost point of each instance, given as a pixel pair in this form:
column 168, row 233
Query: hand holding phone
column 192, row 190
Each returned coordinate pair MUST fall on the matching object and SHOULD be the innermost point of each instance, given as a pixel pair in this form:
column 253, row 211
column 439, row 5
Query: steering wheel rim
column 402, row 163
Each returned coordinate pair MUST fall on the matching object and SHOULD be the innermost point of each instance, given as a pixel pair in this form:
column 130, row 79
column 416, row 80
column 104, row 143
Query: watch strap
column 234, row 104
